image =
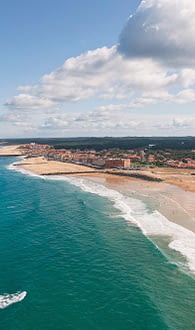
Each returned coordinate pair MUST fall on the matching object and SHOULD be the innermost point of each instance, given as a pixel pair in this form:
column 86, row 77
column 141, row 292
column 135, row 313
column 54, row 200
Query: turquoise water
column 82, row 265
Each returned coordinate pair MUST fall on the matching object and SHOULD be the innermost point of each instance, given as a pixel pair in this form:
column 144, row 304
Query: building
column 151, row 158
column 113, row 163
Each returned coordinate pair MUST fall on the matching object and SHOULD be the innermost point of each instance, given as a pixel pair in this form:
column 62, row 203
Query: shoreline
column 171, row 201
column 10, row 151
column 182, row 178
column 42, row 166
column 172, row 190
column 175, row 203
column 163, row 220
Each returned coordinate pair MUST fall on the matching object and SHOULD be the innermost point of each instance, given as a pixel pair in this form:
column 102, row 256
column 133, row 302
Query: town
column 114, row 158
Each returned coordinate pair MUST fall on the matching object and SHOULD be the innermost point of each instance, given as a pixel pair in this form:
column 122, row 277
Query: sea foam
column 151, row 223
column 9, row 299
column 13, row 167
column 135, row 211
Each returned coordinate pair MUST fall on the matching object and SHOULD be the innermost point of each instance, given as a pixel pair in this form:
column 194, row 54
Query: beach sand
column 10, row 151
column 183, row 178
column 174, row 201
column 42, row 166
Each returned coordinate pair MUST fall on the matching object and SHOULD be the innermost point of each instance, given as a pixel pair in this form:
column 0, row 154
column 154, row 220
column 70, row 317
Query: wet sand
column 173, row 202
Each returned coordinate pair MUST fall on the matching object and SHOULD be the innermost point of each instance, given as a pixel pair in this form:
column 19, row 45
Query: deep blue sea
column 81, row 264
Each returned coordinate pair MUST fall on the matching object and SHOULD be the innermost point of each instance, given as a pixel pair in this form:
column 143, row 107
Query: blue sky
column 38, row 36
column 83, row 68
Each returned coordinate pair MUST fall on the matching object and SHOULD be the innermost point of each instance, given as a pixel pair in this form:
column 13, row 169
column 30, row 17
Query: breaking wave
column 152, row 224
column 13, row 167
column 9, row 299
column 135, row 211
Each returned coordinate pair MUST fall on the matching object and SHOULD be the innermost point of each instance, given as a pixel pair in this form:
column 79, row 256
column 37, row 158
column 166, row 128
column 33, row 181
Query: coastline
column 154, row 207
column 180, row 177
column 175, row 203
column 42, row 166
column 9, row 151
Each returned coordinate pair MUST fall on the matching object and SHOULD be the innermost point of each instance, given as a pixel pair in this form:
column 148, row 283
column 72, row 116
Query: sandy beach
column 173, row 202
column 42, row 166
column 174, row 197
column 10, row 151
column 183, row 178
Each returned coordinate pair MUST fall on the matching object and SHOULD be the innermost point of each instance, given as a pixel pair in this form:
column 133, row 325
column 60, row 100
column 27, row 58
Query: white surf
column 9, row 299
column 135, row 211
column 151, row 223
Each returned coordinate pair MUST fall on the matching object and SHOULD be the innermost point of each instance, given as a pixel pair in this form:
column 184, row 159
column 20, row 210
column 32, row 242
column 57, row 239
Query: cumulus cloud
column 26, row 101
column 186, row 77
column 55, row 123
column 149, row 35
column 157, row 69
column 101, row 123
column 101, row 73
column 185, row 96
column 163, row 30
column 91, row 123
column 177, row 124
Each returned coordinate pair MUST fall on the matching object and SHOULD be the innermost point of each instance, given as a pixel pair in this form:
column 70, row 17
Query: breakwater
column 139, row 175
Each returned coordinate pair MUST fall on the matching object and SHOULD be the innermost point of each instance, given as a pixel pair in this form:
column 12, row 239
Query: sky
column 97, row 68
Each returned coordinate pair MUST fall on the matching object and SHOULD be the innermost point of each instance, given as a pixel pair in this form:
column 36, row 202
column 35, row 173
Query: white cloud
column 163, row 30
column 55, row 123
column 186, row 77
column 177, row 124
column 26, row 101
column 185, row 96
column 104, row 121
column 98, row 123
column 101, row 73
column 157, row 69
column 91, row 122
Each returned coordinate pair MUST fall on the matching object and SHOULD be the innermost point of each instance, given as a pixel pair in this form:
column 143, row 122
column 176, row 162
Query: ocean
column 76, row 255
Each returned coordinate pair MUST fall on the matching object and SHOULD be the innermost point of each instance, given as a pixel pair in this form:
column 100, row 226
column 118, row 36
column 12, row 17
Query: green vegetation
column 185, row 144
